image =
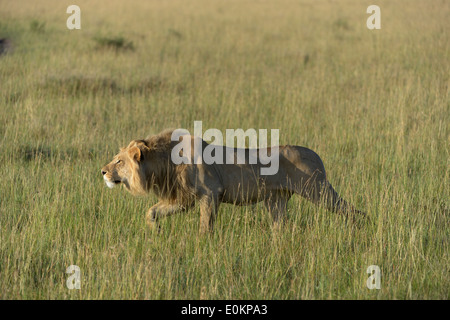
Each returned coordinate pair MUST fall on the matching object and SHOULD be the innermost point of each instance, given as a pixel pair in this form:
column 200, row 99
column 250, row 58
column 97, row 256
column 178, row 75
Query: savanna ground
column 373, row 104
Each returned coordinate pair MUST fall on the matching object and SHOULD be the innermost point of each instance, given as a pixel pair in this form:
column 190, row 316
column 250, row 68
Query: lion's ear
column 135, row 154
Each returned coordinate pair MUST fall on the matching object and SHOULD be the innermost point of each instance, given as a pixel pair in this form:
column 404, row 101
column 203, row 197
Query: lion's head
column 127, row 167
column 145, row 165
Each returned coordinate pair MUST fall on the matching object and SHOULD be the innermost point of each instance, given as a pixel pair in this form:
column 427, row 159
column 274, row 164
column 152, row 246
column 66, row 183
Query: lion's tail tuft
column 335, row 203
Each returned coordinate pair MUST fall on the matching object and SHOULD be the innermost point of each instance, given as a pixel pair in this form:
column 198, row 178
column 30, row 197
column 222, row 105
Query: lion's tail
column 335, row 203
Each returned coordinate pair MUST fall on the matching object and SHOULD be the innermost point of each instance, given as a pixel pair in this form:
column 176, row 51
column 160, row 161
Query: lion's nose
column 103, row 172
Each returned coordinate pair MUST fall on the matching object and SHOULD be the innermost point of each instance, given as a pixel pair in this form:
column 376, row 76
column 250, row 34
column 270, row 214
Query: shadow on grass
column 115, row 43
column 86, row 85
column 44, row 153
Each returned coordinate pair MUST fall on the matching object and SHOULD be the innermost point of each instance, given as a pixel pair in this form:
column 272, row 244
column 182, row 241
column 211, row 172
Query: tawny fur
column 145, row 166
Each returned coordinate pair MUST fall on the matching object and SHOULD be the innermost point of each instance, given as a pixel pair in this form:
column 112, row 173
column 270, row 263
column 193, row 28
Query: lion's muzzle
column 109, row 183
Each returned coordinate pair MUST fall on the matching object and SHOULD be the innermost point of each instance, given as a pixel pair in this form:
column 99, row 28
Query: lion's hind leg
column 276, row 204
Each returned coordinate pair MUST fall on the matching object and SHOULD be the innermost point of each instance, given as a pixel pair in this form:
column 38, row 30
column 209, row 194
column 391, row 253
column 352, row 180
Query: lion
column 146, row 166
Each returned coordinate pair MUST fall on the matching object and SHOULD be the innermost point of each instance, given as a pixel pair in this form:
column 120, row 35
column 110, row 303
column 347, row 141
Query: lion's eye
column 118, row 161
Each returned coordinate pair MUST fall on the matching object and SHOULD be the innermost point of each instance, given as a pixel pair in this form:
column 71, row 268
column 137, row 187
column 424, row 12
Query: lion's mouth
column 111, row 184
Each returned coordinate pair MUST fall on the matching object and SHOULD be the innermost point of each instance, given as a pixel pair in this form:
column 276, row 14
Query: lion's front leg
column 208, row 212
column 161, row 210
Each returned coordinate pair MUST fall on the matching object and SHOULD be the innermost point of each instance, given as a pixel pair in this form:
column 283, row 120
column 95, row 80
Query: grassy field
column 373, row 104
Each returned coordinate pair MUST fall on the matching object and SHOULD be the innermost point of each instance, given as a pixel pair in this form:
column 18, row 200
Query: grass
column 117, row 43
column 373, row 104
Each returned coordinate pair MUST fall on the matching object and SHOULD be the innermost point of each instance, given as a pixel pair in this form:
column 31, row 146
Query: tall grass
column 373, row 104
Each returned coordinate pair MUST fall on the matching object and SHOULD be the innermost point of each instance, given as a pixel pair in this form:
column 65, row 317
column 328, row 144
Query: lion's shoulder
column 161, row 141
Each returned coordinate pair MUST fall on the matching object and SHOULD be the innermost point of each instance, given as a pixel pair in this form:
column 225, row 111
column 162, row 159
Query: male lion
column 146, row 165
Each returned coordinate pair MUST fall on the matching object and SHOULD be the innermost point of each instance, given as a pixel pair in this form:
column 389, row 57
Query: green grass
column 373, row 104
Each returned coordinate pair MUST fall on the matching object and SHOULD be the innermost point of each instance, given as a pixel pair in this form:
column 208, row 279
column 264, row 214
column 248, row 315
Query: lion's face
column 122, row 167
column 117, row 171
